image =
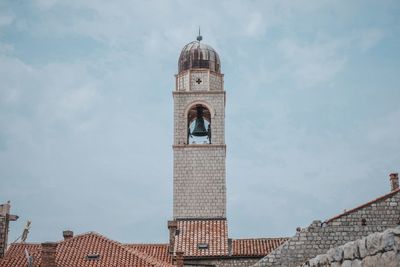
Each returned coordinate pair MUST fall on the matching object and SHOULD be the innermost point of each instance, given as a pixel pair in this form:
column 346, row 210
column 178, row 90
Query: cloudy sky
column 312, row 122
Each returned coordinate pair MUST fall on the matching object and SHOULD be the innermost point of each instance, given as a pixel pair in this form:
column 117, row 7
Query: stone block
column 322, row 259
column 374, row 243
column 346, row 263
column 362, row 249
column 336, row 264
column 335, row 254
column 372, row 261
column 350, row 251
column 390, row 259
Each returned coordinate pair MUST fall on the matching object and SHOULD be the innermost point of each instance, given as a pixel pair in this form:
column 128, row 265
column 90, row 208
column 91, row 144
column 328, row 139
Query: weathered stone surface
column 322, row 259
column 335, row 254
column 372, row 261
column 374, row 243
column 350, row 251
column 335, row 264
column 362, row 249
column 390, row 259
column 318, row 238
column 347, row 263
column 356, row 263
column 375, row 250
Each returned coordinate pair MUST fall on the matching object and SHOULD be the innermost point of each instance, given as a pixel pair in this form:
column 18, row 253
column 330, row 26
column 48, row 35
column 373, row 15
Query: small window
column 93, row 256
column 202, row 245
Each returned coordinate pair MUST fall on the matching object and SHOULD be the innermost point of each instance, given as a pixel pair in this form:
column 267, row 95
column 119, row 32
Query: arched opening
column 199, row 125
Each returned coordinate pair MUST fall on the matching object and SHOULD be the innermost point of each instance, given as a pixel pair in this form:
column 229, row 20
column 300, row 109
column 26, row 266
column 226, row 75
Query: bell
column 199, row 127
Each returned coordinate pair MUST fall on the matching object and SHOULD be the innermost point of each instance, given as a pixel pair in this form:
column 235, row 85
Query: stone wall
column 3, row 235
column 209, row 81
column 199, row 169
column 375, row 216
column 199, row 181
column 375, row 250
column 4, row 211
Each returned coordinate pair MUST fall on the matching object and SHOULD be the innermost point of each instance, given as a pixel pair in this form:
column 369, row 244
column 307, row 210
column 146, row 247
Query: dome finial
column 199, row 37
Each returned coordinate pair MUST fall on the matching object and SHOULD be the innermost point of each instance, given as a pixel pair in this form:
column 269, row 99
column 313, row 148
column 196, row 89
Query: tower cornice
column 207, row 146
column 198, row 92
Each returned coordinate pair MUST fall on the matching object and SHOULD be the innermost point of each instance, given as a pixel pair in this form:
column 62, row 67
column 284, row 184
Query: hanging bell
column 199, row 127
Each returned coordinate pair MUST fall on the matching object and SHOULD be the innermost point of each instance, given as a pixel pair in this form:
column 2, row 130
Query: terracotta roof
column 73, row 252
column 212, row 234
column 255, row 246
column 364, row 205
column 158, row 251
column 15, row 255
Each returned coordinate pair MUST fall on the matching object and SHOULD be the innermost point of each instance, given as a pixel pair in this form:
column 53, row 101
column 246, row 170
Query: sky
column 86, row 111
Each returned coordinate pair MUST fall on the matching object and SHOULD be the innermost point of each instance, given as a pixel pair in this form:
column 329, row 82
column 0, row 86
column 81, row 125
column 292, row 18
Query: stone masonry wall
column 375, row 250
column 209, row 81
column 3, row 235
column 199, row 181
column 4, row 211
column 375, row 216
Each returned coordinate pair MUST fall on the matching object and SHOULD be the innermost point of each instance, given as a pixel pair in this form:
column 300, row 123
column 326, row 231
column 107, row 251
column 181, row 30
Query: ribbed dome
column 199, row 55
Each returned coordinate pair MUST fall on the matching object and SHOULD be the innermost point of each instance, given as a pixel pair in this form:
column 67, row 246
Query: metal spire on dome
column 199, row 37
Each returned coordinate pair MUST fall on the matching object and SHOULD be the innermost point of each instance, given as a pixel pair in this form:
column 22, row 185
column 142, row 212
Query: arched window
column 199, row 125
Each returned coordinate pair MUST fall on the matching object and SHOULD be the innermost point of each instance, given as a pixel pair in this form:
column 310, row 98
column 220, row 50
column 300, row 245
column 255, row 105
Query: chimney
column 394, row 181
column 49, row 254
column 172, row 227
column 179, row 259
column 5, row 219
column 67, row 234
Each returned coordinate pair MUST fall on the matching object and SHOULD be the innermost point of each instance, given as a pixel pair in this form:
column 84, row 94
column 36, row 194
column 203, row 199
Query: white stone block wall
column 319, row 237
column 375, row 250
column 199, row 170
column 210, row 81
column 199, row 181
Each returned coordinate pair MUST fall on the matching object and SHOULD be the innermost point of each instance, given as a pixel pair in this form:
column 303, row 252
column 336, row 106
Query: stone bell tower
column 199, row 135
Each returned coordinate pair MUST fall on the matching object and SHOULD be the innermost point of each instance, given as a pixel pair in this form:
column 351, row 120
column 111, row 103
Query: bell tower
column 199, row 135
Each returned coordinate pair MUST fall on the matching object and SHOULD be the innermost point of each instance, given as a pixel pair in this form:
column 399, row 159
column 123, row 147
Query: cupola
column 198, row 55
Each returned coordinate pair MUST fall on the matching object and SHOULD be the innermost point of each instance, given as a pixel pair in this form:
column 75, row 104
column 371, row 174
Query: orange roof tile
column 255, row 246
column 214, row 233
column 15, row 255
column 158, row 251
column 73, row 252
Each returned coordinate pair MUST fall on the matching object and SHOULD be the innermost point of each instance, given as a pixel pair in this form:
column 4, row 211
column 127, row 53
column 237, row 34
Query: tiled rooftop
column 158, row 251
column 73, row 252
column 195, row 233
column 213, row 234
column 15, row 255
column 255, row 246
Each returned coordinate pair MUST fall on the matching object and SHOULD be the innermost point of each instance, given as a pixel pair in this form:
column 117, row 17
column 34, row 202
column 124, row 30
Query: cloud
column 312, row 63
column 370, row 38
column 5, row 20
column 46, row 4
column 86, row 112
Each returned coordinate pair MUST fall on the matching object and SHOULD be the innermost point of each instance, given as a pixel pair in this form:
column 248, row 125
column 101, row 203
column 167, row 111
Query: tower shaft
column 199, row 167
